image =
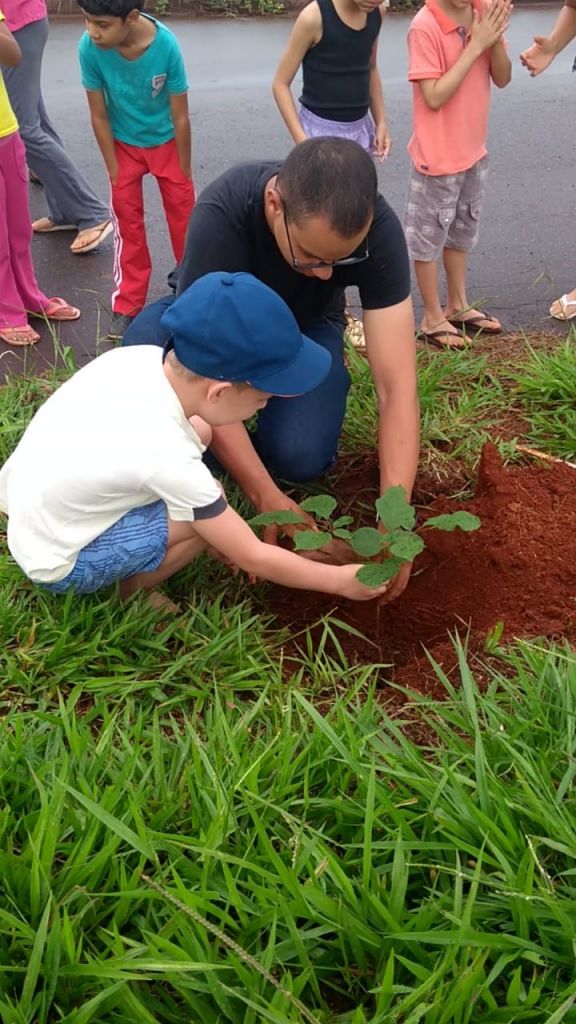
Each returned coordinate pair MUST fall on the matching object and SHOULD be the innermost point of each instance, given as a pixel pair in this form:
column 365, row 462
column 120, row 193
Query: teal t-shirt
column 137, row 92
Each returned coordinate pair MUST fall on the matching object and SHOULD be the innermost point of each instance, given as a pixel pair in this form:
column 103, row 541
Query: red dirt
column 518, row 569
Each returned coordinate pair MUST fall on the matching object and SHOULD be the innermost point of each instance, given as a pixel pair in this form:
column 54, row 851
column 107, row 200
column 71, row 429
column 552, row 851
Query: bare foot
column 157, row 600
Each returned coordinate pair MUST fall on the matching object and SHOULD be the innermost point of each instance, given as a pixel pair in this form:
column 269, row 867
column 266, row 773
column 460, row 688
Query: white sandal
column 564, row 302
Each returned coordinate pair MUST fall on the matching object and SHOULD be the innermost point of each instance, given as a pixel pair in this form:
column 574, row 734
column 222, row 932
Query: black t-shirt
column 228, row 231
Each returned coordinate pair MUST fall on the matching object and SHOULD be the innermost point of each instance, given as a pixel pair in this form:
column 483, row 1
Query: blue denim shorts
column 136, row 543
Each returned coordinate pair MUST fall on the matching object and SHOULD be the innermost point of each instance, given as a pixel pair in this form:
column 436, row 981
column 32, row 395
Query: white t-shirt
column 112, row 438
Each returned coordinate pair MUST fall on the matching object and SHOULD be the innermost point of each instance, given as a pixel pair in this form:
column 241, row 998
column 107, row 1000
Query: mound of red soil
column 518, row 569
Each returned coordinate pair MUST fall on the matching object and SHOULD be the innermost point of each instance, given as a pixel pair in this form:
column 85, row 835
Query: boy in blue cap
column 108, row 484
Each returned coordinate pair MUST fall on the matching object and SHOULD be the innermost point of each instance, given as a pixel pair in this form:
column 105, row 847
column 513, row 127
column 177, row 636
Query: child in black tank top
column 336, row 42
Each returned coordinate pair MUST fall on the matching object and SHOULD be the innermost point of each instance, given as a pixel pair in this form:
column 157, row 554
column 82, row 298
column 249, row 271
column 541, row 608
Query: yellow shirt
column 8, row 122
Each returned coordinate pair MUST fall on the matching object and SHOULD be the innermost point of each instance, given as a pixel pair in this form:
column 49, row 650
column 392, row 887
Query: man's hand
column 539, row 56
column 337, row 552
column 397, row 584
column 382, row 141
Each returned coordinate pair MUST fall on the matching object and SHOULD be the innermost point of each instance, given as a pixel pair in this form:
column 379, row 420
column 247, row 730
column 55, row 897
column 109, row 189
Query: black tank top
column 336, row 71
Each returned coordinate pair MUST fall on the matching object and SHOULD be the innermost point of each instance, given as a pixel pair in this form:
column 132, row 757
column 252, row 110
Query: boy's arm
column 103, row 131
column 10, row 54
column 306, row 33
column 182, row 132
column 500, row 65
column 234, row 539
column 484, row 34
column 545, row 48
column 382, row 141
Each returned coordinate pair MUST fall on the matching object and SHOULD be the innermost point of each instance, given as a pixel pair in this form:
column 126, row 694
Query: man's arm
column 103, row 131
column 391, row 351
column 306, row 32
column 182, row 132
column 545, row 48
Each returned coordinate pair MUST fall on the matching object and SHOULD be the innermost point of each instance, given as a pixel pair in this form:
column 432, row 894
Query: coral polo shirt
column 451, row 139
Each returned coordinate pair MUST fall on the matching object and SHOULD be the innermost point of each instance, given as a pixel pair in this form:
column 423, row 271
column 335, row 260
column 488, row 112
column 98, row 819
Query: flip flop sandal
column 564, row 303
column 19, row 336
column 474, row 322
column 456, row 344
column 58, row 310
column 103, row 231
column 45, row 226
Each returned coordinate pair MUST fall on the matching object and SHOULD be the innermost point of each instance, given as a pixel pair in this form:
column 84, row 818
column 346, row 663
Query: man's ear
column 274, row 203
column 217, row 389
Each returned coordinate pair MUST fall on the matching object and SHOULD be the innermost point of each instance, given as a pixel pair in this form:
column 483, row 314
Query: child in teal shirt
column 134, row 76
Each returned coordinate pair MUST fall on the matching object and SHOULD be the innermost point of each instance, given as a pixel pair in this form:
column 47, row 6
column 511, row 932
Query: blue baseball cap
column 233, row 327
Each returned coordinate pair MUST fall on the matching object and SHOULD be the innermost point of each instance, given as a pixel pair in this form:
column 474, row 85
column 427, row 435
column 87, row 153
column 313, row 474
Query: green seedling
column 393, row 544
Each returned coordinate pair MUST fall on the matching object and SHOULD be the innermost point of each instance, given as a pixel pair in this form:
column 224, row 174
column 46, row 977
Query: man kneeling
column 108, row 484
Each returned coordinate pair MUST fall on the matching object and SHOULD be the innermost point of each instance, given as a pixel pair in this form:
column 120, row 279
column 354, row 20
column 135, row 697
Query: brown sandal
column 475, row 322
column 455, row 344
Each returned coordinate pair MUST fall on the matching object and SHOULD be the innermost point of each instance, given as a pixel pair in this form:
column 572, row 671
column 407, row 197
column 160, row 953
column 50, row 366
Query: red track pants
column 132, row 263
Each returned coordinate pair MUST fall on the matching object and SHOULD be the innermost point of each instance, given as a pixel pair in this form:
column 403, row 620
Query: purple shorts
column 361, row 131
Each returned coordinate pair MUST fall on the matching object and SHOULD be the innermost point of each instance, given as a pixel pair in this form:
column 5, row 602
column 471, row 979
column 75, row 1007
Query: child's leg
column 19, row 290
column 461, row 239
column 456, row 268
column 430, row 210
column 132, row 264
column 177, row 193
column 184, row 545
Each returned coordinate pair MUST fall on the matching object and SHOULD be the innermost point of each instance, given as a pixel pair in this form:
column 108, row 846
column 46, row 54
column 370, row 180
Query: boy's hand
column 488, row 30
column 382, row 141
column 113, row 172
column 351, row 588
column 538, row 56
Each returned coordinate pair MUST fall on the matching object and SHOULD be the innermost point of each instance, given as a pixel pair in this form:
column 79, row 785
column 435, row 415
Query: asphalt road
column 526, row 252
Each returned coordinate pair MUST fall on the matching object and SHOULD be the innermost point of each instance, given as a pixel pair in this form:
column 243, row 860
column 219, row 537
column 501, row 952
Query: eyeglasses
column 348, row 261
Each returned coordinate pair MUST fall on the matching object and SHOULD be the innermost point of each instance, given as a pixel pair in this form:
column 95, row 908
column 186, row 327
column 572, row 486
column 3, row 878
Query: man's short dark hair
column 332, row 177
column 110, row 8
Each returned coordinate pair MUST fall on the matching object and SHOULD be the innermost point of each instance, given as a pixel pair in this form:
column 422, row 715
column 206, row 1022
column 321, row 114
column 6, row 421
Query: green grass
column 546, row 387
column 461, row 399
column 372, row 878
column 184, row 837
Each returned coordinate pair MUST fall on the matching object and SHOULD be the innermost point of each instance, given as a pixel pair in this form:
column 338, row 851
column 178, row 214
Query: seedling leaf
column 281, row 517
column 343, row 534
column 367, row 541
column 310, row 540
column 320, row 505
column 394, row 511
column 342, row 521
column 455, row 520
column 405, row 545
column 377, row 573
